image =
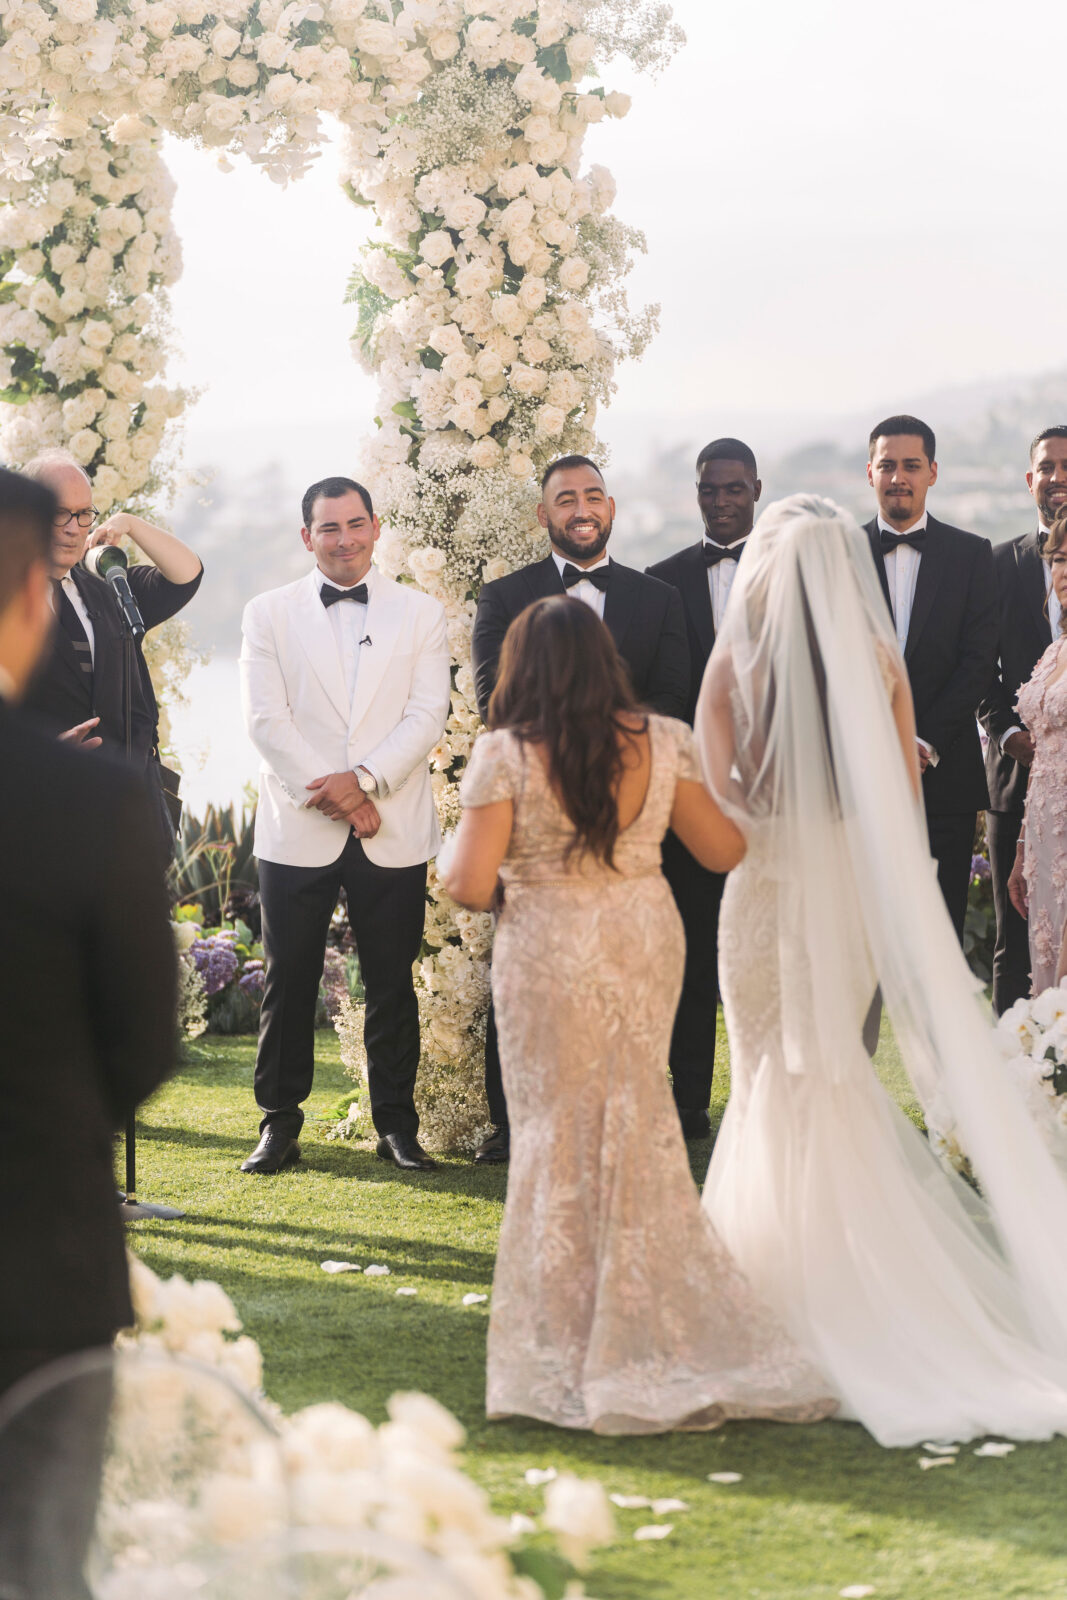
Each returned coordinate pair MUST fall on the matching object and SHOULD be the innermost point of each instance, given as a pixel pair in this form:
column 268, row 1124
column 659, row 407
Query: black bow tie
column 598, row 577
column 714, row 553
column 330, row 595
column 892, row 541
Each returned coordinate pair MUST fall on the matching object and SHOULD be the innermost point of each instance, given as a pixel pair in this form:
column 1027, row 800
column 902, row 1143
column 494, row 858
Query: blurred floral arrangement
column 490, row 304
column 403, row 1479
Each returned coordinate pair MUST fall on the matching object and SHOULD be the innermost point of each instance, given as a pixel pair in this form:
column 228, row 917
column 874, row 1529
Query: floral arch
column 489, row 304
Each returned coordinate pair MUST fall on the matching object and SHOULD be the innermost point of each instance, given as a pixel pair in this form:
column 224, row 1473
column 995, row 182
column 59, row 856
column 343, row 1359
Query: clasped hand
column 339, row 797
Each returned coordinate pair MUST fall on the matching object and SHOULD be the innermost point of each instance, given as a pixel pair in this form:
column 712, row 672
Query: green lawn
column 818, row 1509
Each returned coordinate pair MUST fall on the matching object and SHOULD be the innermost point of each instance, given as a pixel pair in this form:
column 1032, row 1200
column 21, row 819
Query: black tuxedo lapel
column 932, row 567
column 1032, row 583
column 543, row 578
column 620, row 598
column 696, row 597
column 879, row 561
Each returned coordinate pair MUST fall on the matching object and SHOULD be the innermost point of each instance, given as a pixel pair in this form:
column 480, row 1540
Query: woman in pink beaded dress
column 615, row 1306
column 1038, row 883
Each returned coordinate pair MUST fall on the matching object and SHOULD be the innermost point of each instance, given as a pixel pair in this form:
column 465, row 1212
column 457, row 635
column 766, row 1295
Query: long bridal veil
column 798, row 742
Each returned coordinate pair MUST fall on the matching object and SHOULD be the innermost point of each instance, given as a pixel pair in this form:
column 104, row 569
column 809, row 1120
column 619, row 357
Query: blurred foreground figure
column 86, row 1031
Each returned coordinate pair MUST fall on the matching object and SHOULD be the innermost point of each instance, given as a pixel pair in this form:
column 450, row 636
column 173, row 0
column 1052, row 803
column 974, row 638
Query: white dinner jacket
column 300, row 718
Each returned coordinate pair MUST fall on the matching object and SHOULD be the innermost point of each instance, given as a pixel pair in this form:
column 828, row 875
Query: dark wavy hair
column 563, row 684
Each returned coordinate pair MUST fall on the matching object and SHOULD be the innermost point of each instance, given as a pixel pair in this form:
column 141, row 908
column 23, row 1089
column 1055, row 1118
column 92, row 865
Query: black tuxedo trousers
column 386, row 911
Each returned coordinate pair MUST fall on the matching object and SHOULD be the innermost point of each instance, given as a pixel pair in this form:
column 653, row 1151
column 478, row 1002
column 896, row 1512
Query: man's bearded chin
column 572, row 548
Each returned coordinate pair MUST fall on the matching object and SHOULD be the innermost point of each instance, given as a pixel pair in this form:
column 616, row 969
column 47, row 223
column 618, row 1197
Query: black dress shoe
column 273, row 1152
column 496, row 1149
column 404, row 1150
column 696, row 1124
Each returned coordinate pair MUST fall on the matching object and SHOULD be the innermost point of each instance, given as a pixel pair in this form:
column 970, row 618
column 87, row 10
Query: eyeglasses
column 84, row 519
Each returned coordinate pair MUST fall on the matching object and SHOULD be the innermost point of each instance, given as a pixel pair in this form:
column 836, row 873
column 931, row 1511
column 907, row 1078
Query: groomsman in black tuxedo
column 728, row 489
column 643, row 616
column 940, row 587
column 1029, row 621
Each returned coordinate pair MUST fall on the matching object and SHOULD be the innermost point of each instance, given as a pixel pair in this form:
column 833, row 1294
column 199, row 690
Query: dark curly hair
column 562, row 683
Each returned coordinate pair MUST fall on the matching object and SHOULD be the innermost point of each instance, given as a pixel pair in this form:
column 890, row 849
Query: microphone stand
column 130, row 1206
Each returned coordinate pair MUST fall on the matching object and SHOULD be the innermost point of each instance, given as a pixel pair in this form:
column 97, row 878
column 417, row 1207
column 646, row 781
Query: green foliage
column 547, row 1568
column 212, row 858
column 980, row 925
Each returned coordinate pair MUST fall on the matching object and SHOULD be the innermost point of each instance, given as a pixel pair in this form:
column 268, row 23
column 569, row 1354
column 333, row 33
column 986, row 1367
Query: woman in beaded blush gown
column 615, row 1306
column 1038, row 883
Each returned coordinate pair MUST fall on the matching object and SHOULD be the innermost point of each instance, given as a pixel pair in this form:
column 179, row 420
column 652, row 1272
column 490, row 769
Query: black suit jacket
column 87, row 983
column 64, row 695
column 1025, row 635
column 643, row 616
column 950, row 655
column 687, row 572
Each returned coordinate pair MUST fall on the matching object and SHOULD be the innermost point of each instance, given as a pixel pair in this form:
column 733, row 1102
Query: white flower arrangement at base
column 402, row 1479
column 1032, row 1035
column 490, row 307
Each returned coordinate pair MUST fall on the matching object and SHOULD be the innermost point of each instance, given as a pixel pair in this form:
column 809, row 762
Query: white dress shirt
column 70, row 589
column 721, row 579
column 902, row 574
column 348, row 619
column 588, row 592
column 1055, row 615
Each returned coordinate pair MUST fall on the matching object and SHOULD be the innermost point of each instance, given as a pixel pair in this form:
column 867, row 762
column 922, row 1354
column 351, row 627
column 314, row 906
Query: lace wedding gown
column 1043, row 708
column 935, row 1313
column 615, row 1306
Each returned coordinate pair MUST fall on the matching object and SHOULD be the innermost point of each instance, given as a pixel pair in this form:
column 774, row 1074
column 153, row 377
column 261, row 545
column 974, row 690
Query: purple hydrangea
column 251, row 980
column 216, row 960
column 980, row 868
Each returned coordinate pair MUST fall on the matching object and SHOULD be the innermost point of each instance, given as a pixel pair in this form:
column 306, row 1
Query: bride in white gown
column 936, row 1315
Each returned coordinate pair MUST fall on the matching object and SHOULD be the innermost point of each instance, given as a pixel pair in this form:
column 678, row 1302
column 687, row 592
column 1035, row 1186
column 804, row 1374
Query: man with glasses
column 80, row 688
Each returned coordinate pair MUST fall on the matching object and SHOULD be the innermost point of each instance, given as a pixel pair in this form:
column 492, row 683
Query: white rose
column 223, row 113
column 471, row 418
column 77, row 10
column 280, row 89
column 550, row 420
column 446, row 339
column 564, row 390
column 128, row 129
column 616, row 104
column 578, row 1513
column 84, row 444
column 224, row 40
column 97, row 335
column 520, row 465
column 242, row 73
column 473, row 278
column 527, row 380
column 532, row 293
column 464, row 211
column 436, row 248
column 272, row 50
column 589, row 108
column 580, row 50
column 443, row 46
column 497, row 567
column 484, row 38
column 378, row 39
column 537, row 89
column 160, row 19
column 78, row 413
column 517, row 217
column 573, row 273
column 44, row 301
column 457, row 366
column 485, row 453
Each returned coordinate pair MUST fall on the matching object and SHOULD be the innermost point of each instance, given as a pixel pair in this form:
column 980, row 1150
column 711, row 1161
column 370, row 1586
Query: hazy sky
column 846, row 207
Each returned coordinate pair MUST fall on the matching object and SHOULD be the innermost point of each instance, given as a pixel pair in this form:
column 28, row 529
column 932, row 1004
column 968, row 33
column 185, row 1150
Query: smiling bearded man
column 643, row 616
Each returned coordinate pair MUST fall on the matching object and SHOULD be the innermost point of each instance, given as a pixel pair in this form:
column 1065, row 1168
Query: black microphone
column 107, row 561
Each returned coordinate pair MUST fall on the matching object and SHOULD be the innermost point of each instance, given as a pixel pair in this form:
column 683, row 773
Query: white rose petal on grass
column 926, row 1462
column 857, row 1591
column 536, row 1476
column 664, row 1508
column 520, row 1524
column 724, row 1477
column 341, row 1266
column 376, row 1272
column 942, row 1449
column 654, row 1530
column 993, row 1449
column 475, row 1299
column 630, row 1502
column 407, row 1291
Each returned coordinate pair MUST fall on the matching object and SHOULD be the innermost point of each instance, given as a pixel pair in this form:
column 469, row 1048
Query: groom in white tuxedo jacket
column 345, row 681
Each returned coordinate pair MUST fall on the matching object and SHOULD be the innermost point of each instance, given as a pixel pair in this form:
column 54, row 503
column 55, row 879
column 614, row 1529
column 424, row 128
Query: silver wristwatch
column 367, row 782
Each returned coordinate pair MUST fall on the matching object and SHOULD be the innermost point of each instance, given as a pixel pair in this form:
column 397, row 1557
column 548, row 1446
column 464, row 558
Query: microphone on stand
column 107, row 561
